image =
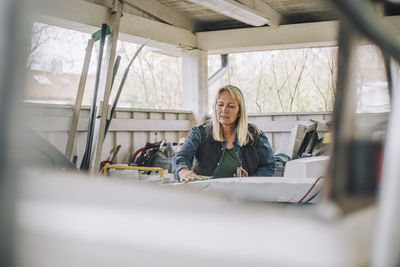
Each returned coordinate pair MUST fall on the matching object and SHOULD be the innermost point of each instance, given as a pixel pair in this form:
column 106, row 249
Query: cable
column 309, row 190
column 311, row 198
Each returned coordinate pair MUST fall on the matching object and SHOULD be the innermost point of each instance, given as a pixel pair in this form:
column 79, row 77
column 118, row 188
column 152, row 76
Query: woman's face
column 227, row 109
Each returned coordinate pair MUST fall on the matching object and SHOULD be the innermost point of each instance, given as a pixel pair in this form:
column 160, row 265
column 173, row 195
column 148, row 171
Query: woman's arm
column 184, row 158
column 266, row 165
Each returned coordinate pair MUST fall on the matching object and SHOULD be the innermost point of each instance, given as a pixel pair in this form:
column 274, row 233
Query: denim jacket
column 184, row 158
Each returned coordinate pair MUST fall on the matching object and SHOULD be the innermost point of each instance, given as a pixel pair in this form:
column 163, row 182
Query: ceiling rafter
column 261, row 6
column 164, row 13
column 258, row 13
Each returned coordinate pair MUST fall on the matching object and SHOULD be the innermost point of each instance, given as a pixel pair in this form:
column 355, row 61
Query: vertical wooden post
column 195, row 83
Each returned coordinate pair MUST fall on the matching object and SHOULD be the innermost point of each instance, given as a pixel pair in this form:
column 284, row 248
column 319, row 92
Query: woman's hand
column 187, row 175
column 243, row 173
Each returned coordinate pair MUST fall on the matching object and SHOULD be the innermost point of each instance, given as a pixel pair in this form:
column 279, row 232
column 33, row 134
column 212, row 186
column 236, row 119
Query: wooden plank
column 170, row 116
column 140, row 138
column 123, row 114
column 78, row 100
column 156, row 115
column 287, row 117
column 170, row 137
column 124, row 139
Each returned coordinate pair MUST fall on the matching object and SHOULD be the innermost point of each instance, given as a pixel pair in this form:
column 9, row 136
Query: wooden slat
column 62, row 124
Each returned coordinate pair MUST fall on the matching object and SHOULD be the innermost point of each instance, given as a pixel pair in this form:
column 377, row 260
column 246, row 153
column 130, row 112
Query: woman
column 225, row 143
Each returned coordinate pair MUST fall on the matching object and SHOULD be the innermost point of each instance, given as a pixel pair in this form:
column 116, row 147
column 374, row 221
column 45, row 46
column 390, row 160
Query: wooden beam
column 87, row 17
column 303, row 35
column 260, row 6
column 164, row 13
column 158, row 32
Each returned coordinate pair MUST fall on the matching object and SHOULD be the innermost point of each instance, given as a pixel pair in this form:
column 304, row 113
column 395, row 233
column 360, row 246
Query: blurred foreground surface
column 93, row 221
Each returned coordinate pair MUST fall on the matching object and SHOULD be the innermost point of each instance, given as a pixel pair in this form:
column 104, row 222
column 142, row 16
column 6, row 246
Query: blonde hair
column 241, row 122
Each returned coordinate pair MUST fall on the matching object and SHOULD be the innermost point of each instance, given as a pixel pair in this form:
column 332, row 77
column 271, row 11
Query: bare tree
column 277, row 89
column 259, row 86
column 332, row 64
column 40, row 36
column 144, row 81
column 298, row 81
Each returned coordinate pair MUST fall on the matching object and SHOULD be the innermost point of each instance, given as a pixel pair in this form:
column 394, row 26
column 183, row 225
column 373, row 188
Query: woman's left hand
column 243, row 173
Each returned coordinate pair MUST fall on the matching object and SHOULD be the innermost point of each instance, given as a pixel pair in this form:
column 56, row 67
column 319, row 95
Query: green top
column 229, row 164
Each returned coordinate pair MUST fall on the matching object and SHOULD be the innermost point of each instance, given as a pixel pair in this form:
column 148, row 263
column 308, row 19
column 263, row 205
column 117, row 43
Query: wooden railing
column 131, row 128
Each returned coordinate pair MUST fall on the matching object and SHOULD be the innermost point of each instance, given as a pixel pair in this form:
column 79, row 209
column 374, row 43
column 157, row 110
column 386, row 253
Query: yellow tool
column 139, row 168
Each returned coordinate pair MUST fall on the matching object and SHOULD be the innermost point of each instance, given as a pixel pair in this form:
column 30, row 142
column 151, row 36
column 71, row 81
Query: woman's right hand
column 187, row 175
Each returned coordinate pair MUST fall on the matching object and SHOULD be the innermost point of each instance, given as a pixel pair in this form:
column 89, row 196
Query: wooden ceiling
column 291, row 12
column 173, row 25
